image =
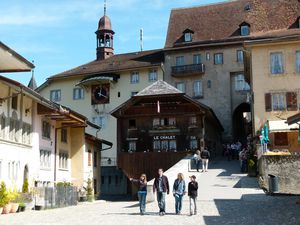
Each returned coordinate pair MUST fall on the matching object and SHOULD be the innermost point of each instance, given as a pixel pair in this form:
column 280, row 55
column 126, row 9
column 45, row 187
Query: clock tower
column 105, row 37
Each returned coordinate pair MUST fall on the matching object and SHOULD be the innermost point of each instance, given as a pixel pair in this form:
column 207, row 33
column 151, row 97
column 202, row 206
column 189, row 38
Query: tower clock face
column 100, row 94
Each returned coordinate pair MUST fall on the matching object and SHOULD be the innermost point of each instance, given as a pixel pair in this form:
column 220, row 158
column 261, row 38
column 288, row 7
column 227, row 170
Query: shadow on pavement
column 256, row 209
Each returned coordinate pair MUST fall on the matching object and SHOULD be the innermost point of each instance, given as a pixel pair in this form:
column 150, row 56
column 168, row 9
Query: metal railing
column 188, row 69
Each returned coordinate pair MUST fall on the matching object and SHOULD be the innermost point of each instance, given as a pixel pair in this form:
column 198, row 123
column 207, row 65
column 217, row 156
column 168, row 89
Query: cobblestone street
column 225, row 197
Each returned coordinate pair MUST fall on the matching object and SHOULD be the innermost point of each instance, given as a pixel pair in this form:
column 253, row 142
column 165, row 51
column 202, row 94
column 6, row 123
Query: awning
column 293, row 119
column 281, row 126
column 104, row 77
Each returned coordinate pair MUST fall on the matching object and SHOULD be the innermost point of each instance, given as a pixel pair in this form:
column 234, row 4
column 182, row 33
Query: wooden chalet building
column 162, row 120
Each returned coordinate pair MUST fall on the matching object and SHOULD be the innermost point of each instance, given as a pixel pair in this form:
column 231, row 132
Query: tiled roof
column 222, row 21
column 116, row 63
column 160, row 87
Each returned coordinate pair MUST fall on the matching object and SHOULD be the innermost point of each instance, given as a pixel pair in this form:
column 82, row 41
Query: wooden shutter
column 291, row 101
column 281, row 139
column 268, row 102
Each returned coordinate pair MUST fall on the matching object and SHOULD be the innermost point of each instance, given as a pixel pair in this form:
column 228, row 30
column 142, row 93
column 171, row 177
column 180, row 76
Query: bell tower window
column 188, row 35
column 245, row 29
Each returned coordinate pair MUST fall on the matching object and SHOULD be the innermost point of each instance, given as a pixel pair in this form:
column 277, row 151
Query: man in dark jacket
column 161, row 187
column 205, row 155
column 193, row 193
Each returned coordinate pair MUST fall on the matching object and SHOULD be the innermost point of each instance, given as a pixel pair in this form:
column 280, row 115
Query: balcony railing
column 186, row 70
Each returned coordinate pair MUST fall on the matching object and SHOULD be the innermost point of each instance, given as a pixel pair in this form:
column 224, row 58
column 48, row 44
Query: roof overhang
column 293, row 119
column 99, row 79
column 10, row 61
column 281, row 126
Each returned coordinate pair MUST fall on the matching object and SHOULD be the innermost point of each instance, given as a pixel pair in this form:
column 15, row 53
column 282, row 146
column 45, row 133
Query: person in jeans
column 179, row 192
column 193, row 194
column 142, row 191
column 161, row 187
column 197, row 159
column 205, row 155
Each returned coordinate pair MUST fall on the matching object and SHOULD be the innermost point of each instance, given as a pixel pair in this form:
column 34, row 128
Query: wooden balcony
column 188, row 70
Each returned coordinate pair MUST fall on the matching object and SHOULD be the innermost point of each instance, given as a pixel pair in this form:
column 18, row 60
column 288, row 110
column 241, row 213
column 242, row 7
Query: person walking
column 179, row 192
column 161, row 187
column 197, row 159
column 142, row 191
column 193, row 194
column 205, row 155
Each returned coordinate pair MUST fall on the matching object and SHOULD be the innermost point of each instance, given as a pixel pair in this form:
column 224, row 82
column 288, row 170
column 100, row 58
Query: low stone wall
column 286, row 168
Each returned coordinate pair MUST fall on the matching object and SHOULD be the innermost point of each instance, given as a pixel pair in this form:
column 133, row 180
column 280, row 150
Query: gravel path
column 225, row 197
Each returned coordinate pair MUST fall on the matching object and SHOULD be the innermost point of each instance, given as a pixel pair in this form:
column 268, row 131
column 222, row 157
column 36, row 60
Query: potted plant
column 89, row 191
column 22, row 207
column 25, row 187
column 3, row 196
column 14, row 198
column 252, row 168
column 6, row 199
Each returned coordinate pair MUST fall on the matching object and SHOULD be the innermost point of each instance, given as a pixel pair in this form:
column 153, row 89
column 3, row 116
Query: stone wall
column 286, row 168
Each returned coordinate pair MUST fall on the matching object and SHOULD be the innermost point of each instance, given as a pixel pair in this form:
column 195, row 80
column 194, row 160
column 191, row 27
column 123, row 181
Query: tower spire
column 104, row 7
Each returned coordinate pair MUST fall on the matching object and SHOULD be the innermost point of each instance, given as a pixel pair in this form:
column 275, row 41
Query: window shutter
column 291, row 101
column 268, row 102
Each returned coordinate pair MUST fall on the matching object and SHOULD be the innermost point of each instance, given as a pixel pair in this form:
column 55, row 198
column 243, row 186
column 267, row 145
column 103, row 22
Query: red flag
column 158, row 107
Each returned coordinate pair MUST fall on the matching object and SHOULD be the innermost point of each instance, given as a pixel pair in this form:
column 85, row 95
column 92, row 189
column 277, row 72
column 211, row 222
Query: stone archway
column 241, row 120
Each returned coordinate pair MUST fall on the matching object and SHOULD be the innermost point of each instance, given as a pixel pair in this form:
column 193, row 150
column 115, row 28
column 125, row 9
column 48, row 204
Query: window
column 218, row 58
column 165, row 145
column 197, row 59
column 14, row 102
column 63, row 160
column 298, row 61
column 181, row 86
column 132, row 146
column 8, row 170
column 46, row 129
column 173, row 145
column 193, row 120
column 193, row 143
column 55, row 95
column 3, row 125
column 156, row 122
column 102, row 180
column 172, row 121
column 156, row 145
column 187, row 37
column 281, row 139
column 134, row 78
column 78, row 93
column 209, row 84
column 116, row 180
column 278, row 101
column 299, row 23
column 198, row 92
column 99, row 120
column 240, row 56
column 95, row 186
column 64, row 135
column 179, row 60
column 133, row 93
column 152, row 75
column 45, row 158
column 95, row 159
column 132, row 124
column 245, row 30
column 89, row 158
column 0, row 169
column 291, row 101
column 207, row 56
column 276, row 61
column 241, row 84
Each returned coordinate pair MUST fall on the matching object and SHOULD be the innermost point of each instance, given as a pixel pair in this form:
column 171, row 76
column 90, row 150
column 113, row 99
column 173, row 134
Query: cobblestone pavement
column 225, row 197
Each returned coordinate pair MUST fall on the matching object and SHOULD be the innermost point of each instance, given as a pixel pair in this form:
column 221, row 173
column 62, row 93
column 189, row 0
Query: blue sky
column 59, row 34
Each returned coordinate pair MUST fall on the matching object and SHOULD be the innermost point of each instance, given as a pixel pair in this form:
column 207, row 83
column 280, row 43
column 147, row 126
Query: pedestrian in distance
column 205, row 155
column 142, row 191
column 193, row 194
column 197, row 159
column 161, row 187
column 178, row 192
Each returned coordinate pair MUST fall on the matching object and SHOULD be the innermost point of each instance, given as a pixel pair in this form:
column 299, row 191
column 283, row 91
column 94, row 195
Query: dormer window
column 188, row 35
column 245, row 29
